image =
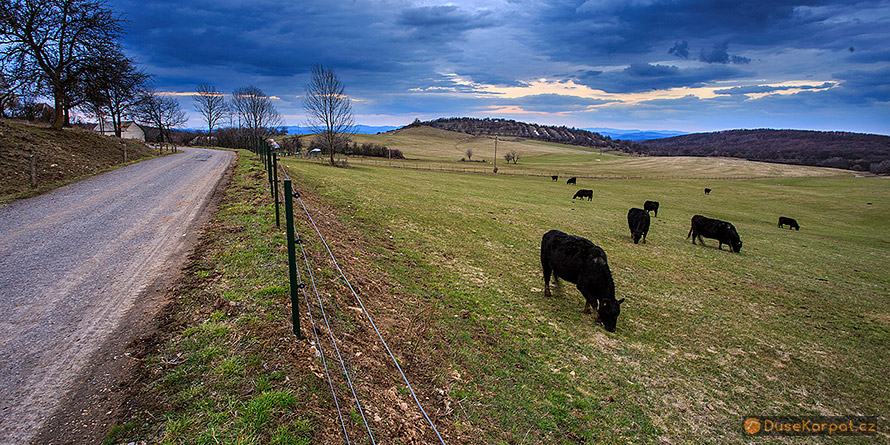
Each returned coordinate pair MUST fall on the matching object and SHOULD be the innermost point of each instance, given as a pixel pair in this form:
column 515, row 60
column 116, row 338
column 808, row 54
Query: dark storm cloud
column 719, row 54
column 394, row 54
column 649, row 70
column 616, row 29
column 878, row 55
column 641, row 77
column 443, row 19
column 286, row 39
column 760, row 89
column 680, row 49
column 863, row 86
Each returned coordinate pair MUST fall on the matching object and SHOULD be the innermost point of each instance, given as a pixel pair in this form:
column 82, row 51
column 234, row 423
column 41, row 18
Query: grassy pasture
column 798, row 323
column 435, row 149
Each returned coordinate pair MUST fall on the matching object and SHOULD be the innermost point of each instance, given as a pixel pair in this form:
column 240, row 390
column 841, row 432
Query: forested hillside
column 511, row 128
column 854, row 151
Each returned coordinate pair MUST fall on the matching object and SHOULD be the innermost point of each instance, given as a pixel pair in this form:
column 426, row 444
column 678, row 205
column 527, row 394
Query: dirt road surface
column 74, row 262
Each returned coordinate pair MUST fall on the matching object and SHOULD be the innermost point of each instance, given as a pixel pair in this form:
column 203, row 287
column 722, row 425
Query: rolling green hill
column 433, row 148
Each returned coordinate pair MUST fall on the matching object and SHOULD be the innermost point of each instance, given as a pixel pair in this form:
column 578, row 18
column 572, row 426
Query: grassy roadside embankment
column 228, row 369
column 62, row 157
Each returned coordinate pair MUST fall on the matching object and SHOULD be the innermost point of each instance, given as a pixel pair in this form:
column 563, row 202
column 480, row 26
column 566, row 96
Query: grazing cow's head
column 608, row 313
column 736, row 246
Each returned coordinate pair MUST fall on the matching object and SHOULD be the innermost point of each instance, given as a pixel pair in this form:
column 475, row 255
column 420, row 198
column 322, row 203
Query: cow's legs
column 547, row 272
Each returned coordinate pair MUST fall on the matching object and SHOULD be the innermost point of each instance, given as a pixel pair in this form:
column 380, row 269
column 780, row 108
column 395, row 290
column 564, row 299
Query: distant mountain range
column 360, row 129
column 635, row 135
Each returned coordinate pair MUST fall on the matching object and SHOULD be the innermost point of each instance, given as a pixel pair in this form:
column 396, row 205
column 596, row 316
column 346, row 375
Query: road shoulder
column 101, row 394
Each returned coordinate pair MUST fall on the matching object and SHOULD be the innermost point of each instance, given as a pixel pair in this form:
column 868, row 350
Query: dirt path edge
column 101, row 395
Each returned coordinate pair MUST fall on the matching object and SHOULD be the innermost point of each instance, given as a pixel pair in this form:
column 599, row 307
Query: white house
column 129, row 130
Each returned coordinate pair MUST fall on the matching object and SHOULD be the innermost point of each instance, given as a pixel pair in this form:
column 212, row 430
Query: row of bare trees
column 69, row 50
column 328, row 109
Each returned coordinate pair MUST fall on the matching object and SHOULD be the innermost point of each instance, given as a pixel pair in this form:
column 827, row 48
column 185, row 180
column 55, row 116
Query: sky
column 680, row 65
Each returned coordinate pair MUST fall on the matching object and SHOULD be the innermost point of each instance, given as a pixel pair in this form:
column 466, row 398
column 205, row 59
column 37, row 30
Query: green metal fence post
column 292, row 256
column 268, row 156
column 275, row 188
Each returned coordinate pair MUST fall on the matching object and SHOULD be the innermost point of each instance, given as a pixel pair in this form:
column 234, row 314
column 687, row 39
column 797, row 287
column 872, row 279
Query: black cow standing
column 577, row 260
column 554, row 177
column 707, row 191
column 584, row 193
column 721, row 231
column 790, row 222
column 572, row 180
column 650, row 206
column 638, row 221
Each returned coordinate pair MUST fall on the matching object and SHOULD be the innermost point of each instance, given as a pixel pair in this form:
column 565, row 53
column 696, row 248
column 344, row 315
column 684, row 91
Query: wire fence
column 449, row 167
column 269, row 159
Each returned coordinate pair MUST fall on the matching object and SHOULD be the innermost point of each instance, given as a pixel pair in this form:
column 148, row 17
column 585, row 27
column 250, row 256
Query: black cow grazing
column 707, row 191
column 638, row 221
column 584, row 193
column 577, row 260
column 721, row 231
column 572, row 180
column 650, row 206
column 554, row 177
column 790, row 222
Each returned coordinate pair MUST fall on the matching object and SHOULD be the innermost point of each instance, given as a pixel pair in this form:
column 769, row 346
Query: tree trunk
column 58, row 118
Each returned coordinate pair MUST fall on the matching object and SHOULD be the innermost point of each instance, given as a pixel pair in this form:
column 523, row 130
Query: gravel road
column 75, row 260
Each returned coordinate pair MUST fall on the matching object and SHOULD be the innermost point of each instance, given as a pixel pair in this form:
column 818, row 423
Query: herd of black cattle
column 579, row 261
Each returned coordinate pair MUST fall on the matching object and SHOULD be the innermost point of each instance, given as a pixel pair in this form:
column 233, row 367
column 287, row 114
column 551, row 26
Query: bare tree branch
column 327, row 107
column 50, row 41
column 212, row 106
column 255, row 111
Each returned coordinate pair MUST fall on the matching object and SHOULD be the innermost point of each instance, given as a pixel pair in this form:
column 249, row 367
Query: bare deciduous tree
column 112, row 87
column 212, row 106
column 512, row 155
column 327, row 107
column 255, row 111
column 160, row 111
column 51, row 39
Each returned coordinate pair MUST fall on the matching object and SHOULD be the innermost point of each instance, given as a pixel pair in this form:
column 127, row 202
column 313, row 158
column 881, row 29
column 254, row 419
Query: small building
column 314, row 152
column 129, row 130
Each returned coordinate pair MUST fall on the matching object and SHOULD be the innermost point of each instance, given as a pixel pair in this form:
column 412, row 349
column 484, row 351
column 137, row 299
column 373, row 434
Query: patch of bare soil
column 103, row 394
column 402, row 319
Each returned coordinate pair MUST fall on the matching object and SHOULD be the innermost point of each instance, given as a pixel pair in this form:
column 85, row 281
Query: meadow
column 798, row 323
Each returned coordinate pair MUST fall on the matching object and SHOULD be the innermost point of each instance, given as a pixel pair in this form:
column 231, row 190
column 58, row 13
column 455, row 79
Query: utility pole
column 495, row 154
